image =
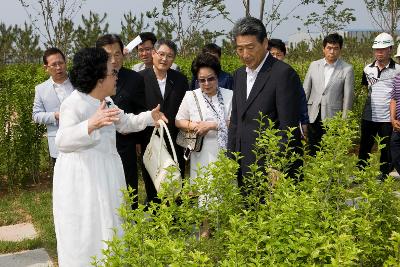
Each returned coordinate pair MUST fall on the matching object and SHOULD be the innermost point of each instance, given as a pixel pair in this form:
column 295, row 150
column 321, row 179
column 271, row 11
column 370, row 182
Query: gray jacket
column 336, row 96
column 45, row 104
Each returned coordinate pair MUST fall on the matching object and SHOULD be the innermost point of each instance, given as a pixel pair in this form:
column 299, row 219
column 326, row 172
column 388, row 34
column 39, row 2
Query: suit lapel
column 321, row 70
column 262, row 77
column 120, row 83
column 155, row 86
column 169, row 85
column 336, row 72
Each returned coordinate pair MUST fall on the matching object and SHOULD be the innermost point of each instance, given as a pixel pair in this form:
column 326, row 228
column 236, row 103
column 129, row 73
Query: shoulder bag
column 189, row 139
column 157, row 159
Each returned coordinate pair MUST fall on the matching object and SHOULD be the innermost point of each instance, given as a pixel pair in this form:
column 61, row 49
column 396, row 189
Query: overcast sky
column 11, row 12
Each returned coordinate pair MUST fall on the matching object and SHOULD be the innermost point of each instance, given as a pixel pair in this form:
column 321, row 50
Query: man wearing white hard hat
column 378, row 77
column 397, row 56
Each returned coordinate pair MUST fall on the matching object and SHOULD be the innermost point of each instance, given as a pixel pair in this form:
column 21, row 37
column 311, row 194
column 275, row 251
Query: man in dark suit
column 130, row 98
column 166, row 87
column 264, row 85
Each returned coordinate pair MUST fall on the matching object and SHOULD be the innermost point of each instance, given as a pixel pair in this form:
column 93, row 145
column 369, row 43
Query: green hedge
column 23, row 146
column 22, row 143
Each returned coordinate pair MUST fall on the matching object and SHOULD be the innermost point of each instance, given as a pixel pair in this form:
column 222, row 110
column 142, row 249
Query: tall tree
column 53, row 20
column 26, row 48
column 132, row 26
column 332, row 17
column 274, row 13
column 385, row 14
column 92, row 28
column 7, row 37
column 186, row 18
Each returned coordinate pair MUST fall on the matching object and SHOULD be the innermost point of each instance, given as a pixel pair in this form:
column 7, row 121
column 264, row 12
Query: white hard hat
column 398, row 52
column 383, row 40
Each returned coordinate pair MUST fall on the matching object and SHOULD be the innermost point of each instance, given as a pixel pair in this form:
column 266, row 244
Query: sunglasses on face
column 208, row 80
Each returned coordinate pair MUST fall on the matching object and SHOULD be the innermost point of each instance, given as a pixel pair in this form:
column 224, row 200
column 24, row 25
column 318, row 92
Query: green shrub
column 338, row 215
column 22, row 142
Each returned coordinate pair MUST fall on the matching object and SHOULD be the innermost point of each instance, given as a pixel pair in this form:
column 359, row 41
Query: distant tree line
column 54, row 23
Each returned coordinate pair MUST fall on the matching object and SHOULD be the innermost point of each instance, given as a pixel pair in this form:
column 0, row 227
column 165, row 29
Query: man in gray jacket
column 329, row 88
column 50, row 94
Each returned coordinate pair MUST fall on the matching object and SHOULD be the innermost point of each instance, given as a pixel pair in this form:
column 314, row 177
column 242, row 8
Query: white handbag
column 156, row 159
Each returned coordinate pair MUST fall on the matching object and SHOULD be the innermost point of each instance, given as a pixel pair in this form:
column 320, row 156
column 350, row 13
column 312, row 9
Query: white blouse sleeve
column 72, row 134
column 129, row 122
column 184, row 108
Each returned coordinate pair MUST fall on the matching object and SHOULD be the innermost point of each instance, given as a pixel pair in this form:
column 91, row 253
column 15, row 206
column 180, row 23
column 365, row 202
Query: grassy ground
column 33, row 205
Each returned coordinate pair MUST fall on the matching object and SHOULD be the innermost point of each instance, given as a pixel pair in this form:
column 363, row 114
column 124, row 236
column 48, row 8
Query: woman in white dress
column 88, row 174
column 215, row 105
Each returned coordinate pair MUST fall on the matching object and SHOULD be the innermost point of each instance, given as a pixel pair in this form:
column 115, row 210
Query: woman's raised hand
column 156, row 114
column 103, row 117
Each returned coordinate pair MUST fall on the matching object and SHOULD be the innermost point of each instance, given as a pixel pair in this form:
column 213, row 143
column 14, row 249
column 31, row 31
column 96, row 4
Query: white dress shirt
column 161, row 84
column 252, row 75
column 63, row 89
column 328, row 70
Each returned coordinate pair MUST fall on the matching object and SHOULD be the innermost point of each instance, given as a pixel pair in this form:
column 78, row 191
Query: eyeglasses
column 56, row 64
column 165, row 55
column 113, row 73
column 208, row 80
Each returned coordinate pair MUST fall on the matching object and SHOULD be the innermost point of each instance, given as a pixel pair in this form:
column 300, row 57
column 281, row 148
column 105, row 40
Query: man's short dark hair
column 205, row 60
column 148, row 36
column 51, row 51
column 250, row 26
column 212, row 48
column 278, row 44
column 109, row 39
column 333, row 38
column 168, row 43
column 88, row 66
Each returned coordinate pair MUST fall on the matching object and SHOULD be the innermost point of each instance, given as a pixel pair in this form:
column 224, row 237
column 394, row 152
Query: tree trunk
column 262, row 4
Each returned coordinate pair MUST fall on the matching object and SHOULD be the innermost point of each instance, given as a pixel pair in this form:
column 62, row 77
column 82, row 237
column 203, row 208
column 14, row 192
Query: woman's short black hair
column 88, row 66
column 205, row 60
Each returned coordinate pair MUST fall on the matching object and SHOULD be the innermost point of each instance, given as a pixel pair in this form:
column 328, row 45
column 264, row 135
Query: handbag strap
column 197, row 104
column 163, row 127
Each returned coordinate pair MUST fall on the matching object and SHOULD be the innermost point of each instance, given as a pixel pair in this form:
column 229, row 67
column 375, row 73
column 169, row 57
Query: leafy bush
column 22, row 142
column 338, row 215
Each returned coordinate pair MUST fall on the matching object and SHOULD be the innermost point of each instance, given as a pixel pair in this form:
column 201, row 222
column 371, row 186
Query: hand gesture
column 156, row 114
column 103, row 117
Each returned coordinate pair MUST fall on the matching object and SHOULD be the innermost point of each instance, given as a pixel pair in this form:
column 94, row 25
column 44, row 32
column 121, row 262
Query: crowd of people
column 100, row 117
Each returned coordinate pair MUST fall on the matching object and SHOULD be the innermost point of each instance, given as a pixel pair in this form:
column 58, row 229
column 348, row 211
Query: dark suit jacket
column 130, row 97
column 175, row 89
column 275, row 93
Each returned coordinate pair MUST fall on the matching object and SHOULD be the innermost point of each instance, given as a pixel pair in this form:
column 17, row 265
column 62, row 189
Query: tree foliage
column 385, row 14
column 187, row 19
column 53, row 20
column 332, row 17
column 92, row 28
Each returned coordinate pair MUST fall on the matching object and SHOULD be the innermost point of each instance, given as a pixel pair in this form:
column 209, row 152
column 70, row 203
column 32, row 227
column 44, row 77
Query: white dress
column 189, row 111
column 88, row 178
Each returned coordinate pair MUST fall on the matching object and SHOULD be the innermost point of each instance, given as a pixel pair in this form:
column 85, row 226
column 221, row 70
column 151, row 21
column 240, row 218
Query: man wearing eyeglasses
column 166, row 87
column 145, row 50
column 129, row 97
column 50, row 94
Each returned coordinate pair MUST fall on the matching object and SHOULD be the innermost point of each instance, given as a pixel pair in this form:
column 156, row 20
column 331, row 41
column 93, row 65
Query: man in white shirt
column 145, row 52
column 50, row 94
column 329, row 88
column 265, row 84
column 378, row 78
